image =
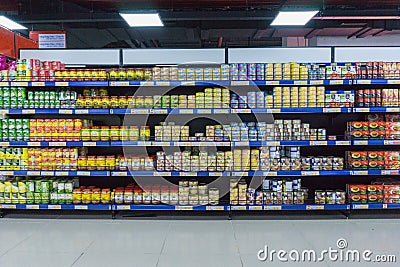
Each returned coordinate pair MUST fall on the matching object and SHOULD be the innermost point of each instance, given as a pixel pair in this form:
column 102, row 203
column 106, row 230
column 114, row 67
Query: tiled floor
column 185, row 243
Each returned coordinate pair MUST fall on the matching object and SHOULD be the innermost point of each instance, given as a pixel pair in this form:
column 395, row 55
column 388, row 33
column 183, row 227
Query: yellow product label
column 21, row 187
column 2, row 187
column 88, row 103
column 80, row 103
column 85, row 134
column 104, row 103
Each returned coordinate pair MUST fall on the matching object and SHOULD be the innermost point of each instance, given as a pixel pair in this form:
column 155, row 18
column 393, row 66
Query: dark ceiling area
column 201, row 23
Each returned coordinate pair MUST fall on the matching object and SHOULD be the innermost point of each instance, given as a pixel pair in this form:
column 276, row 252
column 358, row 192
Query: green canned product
column 30, row 198
column 47, row 95
column 31, row 95
column 4, row 134
column 1, row 103
column 174, row 101
column 30, row 186
column 41, row 95
column 13, row 103
column 13, row 92
column 68, row 187
column 25, row 123
column 20, row 104
column 6, row 103
column 21, row 93
column 45, row 187
column 5, row 123
column 12, row 135
column 18, row 124
column 1, row 92
column 26, row 134
column 19, row 135
column 68, row 198
column 53, row 198
column 165, row 101
column 37, row 198
column 52, row 95
column 61, row 198
column 157, row 101
column 41, row 103
column 38, row 186
column 61, row 187
column 45, row 198
column 54, row 186
column 6, row 92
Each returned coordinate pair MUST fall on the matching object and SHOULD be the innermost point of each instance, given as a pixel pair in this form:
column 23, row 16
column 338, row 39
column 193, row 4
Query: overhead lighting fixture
column 293, row 18
column 142, row 19
column 10, row 24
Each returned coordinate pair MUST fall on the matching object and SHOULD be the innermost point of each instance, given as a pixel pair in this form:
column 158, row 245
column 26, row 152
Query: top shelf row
column 197, row 83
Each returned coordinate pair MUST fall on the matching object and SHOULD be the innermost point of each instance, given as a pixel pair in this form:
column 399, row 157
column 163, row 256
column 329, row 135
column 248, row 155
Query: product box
column 392, row 189
column 357, row 155
column 333, row 72
column 392, row 160
column 358, row 199
column 348, row 71
column 374, row 198
column 375, row 189
column 392, row 199
column 357, row 189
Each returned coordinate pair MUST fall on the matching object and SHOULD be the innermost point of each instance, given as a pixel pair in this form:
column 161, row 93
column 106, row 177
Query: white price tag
column 89, row 144
column 123, row 207
column 162, row 173
column 61, row 84
column 255, row 208
column 392, row 109
column 271, row 82
column 183, row 207
column 271, row 174
column 140, row 111
column 273, row 143
column 362, row 109
column 6, row 206
column 360, row 173
column 81, row 111
column 240, row 174
column 4, row 84
column 83, row 173
column 204, row 111
column 160, row 111
column 163, row 83
column 241, row 143
column 215, row 173
column 318, row 143
column 33, row 144
column 188, row 83
column 62, row 173
column 38, row 84
column 300, row 82
column 238, row 207
column 393, row 81
column 7, row 173
column 147, row 83
column 360, row 207
column 47, row 173
column 315, row 207
column 4, row 143
column 123, row 174
column 57, row 143
column 272, row 207
column 25, row 84
column 81, row 207
column 32, row 207
column 54, row 207
column 309, row 173
column 240, row 83
column 336, row 82
column 363, row 81
column 384, row 206
column 186, row 111
column 390, row 172
column 244, row 111
column 342, row 143
column 332, row 110
column 188, row 174
column 316, row 82
column 220, row 208
column 360, row 143
column 65, row 111
column 221, row 111
column 33, row 173
column 28, row 111
column 122, row 84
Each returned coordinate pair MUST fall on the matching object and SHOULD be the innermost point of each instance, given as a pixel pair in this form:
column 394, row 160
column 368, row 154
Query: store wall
column 386, row 40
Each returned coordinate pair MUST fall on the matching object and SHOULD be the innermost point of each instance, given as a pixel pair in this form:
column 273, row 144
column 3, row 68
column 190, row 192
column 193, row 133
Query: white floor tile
column 200, row 260
column 116, row 259
column 33, row 259
column 252, row 261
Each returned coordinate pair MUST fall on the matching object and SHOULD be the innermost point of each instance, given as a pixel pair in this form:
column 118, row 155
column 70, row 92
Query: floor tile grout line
column 163, row 245
column 236, row 242
column 77, row 259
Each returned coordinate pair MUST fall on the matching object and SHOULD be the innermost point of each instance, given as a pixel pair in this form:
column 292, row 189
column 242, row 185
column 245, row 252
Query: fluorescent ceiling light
column 142, row 20
column 10, row 24
column 293, row 18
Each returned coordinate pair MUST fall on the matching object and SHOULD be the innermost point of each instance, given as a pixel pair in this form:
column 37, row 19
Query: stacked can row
column 364, row 160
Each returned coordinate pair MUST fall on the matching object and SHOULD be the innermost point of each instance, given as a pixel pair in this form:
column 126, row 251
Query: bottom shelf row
column 297, row 207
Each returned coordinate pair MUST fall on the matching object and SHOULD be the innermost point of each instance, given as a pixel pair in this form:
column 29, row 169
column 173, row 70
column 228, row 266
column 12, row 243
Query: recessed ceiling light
column 293, row 18
column 10, row 24
column 142, row 20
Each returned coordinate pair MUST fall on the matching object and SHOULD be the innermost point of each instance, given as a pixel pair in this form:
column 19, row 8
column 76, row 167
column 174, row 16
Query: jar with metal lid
column 148, row 102
column 128, row 197
column 149, row 163
column 86, row 196
column 155, row 195
column 110, row 163
column 139, row 102
column 119, row 196
column 121, row 74
column 115, row 133
column 133, row 133
column 130, row 74
column 114, row 102
column 104, row 102
column 124, row 133
column 135, row 163
column 213, row 195
column 80, row 102
column 165, row 195
column 96, row 102
column 96, row 196
column 105, row 196
column 82, row 163
column 87, row 74
column 77, row 196
column 113, row 74
column 85, row 134
column 123, row 163
column 144, row 133
column 138, row 196
column 95, row 133
column 122, row 102
column 91, row 163
column 105, row 133
column 88, row 102
column 173, row 196
column 147, row 195
column 101, row 163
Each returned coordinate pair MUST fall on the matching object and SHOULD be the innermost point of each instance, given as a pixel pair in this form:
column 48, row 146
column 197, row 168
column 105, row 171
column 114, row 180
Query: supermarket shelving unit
column 130, row 57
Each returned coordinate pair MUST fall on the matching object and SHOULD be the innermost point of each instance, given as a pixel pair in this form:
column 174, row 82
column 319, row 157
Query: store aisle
column 165, row 243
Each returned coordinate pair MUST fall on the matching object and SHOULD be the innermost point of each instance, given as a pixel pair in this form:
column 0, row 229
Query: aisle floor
column 186, row 243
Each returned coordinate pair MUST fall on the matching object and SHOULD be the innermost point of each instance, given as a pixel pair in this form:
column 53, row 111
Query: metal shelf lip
column 376, row 142
column 56, row 206
column 284, row 207
column 54, row 173
column 121, row 207
column 374, row 206
column 54, row 83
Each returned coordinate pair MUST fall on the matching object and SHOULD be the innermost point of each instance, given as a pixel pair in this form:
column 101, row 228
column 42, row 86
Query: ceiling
column 199, row 23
